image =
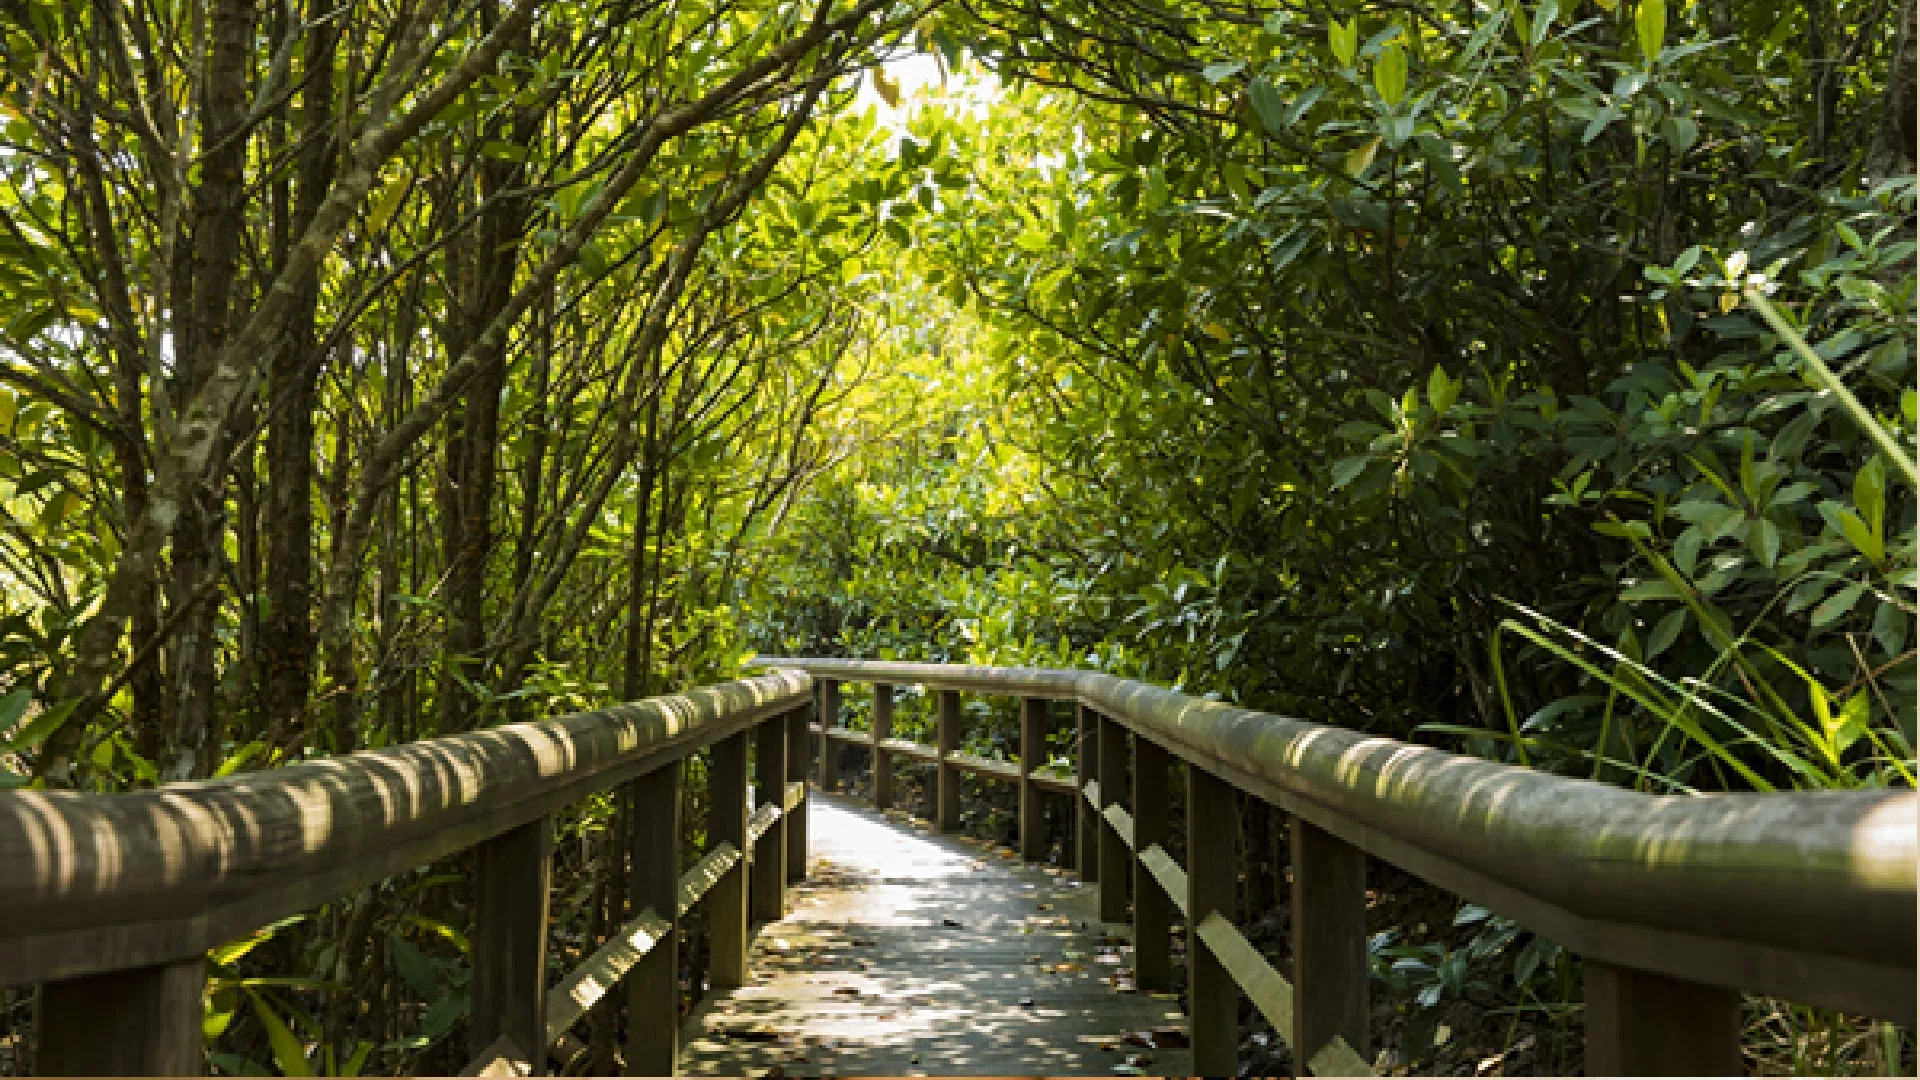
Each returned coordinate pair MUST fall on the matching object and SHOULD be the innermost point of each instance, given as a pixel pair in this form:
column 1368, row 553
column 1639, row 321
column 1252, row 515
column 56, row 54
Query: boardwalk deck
column 910, row 953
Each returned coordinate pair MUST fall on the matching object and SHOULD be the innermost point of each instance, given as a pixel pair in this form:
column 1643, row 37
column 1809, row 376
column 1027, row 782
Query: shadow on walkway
column 909, row 953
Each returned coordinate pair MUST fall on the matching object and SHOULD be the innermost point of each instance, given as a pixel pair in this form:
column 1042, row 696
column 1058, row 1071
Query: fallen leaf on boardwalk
column 1139, row 1061
column 1005, row 852
column 1026, row 1003
column 1036, row 959
column 847, row 991
column 1164, row 997
column 862, row 941
column 750, row 1034
column 1045, row 907
column 1073, row 954
column 1063, row 968
column 954, row 923
column 981, row 865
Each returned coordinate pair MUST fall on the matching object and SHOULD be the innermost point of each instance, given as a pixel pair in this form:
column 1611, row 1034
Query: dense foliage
column 376, row 371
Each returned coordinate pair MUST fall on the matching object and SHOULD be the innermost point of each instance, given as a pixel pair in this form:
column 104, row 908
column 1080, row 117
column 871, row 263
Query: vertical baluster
column 1643, row 1024
column 882, row 759
column 1329, row 943
column 1033, row 754
column 1211, row 877
column 797, row 743
column 946, row 816
column 1116, row 869
column 1152, row 909
column 138, row 1022
column 829, row 722
column 510, row 940
column 1086, row 816
column 653, row 884
column 727, row 899
column 770, row 853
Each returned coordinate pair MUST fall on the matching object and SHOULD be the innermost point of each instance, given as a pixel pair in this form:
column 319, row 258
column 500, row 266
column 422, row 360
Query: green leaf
column 1870, row 495
column 1390, row 74
column 1268, row 105
column 1665, row 632
column 1764, row 539
column 288, row 1053
column 1890, row 628
column 414, row 967
column 1348, row 469
column 1441, row 391
column 1344, row 40
column 1543, row 22
column 1221, row 72
column 1686, row 550
column 1650, row 23
column 1360, row 157
column 1839, row 604
column 39, row 728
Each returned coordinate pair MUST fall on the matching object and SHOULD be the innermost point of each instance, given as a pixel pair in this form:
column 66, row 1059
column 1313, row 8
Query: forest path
column 911, row 953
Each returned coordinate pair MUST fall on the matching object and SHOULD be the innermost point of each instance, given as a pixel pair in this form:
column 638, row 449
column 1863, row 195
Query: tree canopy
column 371, row 371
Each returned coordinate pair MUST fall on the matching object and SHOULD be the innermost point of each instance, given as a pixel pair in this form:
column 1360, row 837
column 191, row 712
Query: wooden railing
column 112, row 901
column 1675, row 904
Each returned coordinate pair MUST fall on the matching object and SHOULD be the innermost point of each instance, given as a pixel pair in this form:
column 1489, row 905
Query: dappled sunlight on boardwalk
column 911, row 953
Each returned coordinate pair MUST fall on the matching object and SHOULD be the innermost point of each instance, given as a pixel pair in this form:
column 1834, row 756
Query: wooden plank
column 829, row 722
column 1265, row 987
column 727, row 896
column 700, row 879
column 765, row 816
column 846, row 735
column 1212, row 828
column 1643, row 1024
column 1052, row 780
column 1338, row 1059
column 500, row 1058
column 946, row 806
column 109, row 882
column 654, row 883
column 1033, row 754
column 767, row 830
column 1167, row 874
column 139, row 1022
column 512, row 879
column 906, row 748
column 992, row 768
column 596, row 976
column 1086, row 763
column 1329, row 939
column 797, row 743
column 1116, row 854
column 882, row 734
column 1121, row 824
column 1152, row 907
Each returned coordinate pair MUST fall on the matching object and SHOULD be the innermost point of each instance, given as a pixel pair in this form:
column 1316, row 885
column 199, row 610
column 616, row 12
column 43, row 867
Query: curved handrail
column 92, row 883
column 1807, row 895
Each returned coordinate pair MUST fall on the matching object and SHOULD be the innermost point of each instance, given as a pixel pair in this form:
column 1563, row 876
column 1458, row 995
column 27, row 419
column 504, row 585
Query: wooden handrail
column 1804, row 895
column 112, row 901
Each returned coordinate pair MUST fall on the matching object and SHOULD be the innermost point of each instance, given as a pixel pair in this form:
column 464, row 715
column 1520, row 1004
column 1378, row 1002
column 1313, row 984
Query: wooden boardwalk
column 910, row 953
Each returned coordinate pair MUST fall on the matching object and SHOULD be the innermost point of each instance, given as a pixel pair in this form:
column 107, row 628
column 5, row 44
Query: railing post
column 1152, row 910
column 727, row 824
column 946, row 812
column 1329, row 942
column 1086, row 837
column 797, row 744
column 510, row 940
column 1211, row 878
column 769, row 880
column 1643, row 1024
column 139, row 1022
column 829, row 720
column 653, row 883
column 1116, row 870
column 882, row 759
column 1033, row 754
